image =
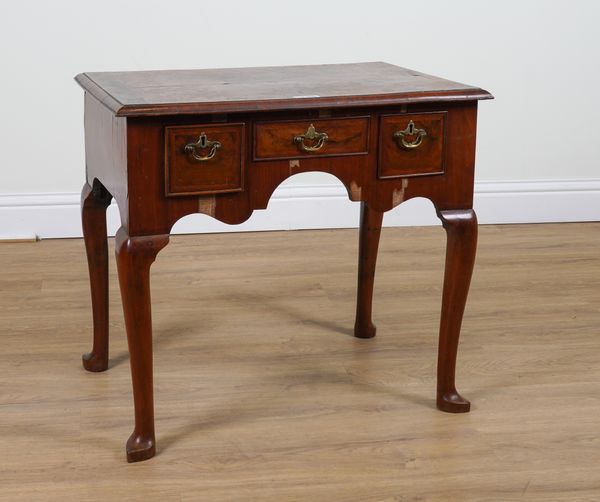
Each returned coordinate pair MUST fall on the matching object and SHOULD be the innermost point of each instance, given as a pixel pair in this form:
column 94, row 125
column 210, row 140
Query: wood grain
column 426, row 159
column 185, row 175
column 135, row 255
column 263, row 394
column 346, row 136
column 368, row 243
column 94, row 202
column 150, row 213
column 461, row 246
column 151, row 163
column 143, row 93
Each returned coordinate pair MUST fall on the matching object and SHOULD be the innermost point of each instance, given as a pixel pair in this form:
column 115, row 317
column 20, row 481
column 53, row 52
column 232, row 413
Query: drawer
column 411, row 144
column 311, row 138
column 204, row 159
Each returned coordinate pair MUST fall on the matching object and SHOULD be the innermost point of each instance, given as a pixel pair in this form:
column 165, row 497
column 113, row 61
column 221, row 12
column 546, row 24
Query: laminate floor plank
column 262, row 393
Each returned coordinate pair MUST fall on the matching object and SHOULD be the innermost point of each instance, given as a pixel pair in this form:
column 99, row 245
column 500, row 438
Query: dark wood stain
column 269, row 88
column 137, row 126
column 186, row 175
column 346, row 136
column 368, row 244
column 427, row 158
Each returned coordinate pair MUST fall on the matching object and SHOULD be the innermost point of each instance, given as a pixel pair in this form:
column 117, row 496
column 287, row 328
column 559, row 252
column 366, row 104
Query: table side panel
column 106, row 151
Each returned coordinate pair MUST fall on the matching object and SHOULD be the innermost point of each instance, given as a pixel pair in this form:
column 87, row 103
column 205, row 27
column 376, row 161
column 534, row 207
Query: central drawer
column 292, row 139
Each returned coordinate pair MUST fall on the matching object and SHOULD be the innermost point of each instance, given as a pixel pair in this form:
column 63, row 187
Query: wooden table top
column 229, row 90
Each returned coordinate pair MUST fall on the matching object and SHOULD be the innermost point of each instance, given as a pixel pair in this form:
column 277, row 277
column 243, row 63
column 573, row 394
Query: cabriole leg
column 94, row 201
column 461, row 230
column 135, row 255
column 370, row 230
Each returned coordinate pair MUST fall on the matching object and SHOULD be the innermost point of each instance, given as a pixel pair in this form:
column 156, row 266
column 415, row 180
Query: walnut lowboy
column 170, row 143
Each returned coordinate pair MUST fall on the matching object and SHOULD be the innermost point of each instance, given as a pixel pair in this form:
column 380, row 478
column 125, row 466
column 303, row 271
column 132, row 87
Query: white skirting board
column 294, row 207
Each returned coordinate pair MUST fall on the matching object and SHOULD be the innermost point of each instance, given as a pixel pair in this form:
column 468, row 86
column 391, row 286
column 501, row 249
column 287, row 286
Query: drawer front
column 204, row 159
column 311, row 138
column 411, row 144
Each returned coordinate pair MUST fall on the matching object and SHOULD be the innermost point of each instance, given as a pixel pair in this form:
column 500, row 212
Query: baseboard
column 294, row 207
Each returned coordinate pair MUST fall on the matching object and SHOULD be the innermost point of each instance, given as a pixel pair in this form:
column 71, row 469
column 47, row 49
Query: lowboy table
column 166, row 144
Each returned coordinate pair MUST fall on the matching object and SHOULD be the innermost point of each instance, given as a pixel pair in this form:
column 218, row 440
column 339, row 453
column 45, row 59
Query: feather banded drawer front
column 166, row 144
column 411, row 144
column 210, row 159
column 311, row 138
column 204, row 159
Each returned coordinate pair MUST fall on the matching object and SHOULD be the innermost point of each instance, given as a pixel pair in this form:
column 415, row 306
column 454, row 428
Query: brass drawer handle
column 410, row 130
column 203, row 143
column 318, row 139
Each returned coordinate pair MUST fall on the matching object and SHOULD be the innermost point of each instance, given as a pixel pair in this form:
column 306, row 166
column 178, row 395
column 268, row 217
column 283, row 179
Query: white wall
column 539, row 58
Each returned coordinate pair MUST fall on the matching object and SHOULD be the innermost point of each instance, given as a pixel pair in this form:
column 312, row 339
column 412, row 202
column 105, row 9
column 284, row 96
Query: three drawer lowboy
column 165, row 144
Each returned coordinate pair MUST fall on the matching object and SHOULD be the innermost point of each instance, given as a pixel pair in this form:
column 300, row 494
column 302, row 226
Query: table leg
column 135, row 255
column 94, row 202
column 461, row 230
column 370, row 230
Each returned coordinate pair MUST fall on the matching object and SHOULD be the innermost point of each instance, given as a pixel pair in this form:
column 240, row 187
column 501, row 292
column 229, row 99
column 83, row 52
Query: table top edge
column 456, row 92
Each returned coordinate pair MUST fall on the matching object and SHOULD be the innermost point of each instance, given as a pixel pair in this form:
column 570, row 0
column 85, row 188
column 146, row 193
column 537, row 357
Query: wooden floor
column 263, row 394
